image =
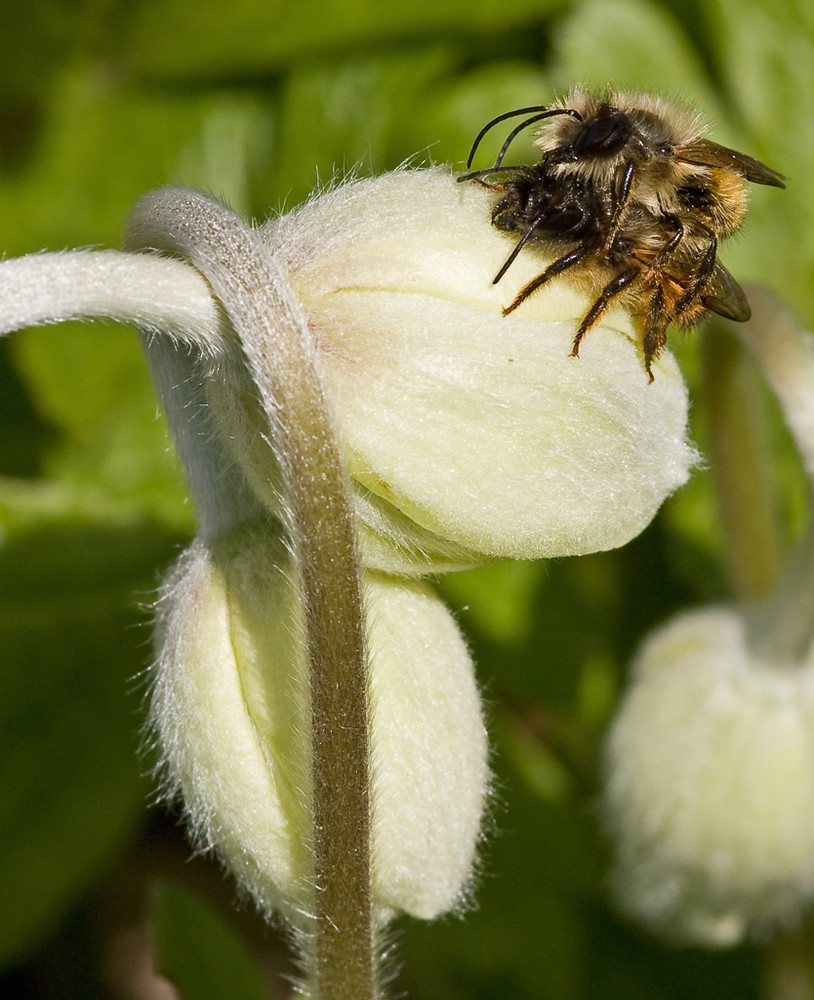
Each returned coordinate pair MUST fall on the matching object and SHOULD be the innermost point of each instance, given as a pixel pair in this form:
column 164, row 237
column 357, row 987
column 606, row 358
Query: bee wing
column 710, row 154
column 724, row 296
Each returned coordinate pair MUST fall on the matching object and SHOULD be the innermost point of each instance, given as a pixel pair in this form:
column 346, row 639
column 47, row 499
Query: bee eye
column 564, row 220
column 604, row 135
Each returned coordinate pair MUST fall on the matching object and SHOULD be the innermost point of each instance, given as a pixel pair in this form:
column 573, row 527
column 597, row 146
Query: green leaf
column 102, row 143
column 338, row 117
column 112, row 456
column 631, row 45
column 71, row 778
column 199, row 952
column 499, row 598
column 246, row 38
column 37, row 35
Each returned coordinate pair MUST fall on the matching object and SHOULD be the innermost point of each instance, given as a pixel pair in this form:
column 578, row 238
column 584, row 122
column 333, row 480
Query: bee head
column 532, row 200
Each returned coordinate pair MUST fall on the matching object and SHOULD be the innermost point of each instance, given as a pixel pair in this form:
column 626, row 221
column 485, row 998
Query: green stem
column 340, row 945
column 739, row 456
column 784, row 352
column 789, row 968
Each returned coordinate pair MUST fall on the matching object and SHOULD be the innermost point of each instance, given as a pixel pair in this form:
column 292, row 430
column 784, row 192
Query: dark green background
column 259, row 102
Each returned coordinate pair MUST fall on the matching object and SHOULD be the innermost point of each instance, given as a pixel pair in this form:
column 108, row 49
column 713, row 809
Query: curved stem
column 181, row 325
column 159, row 295
column 279, row 354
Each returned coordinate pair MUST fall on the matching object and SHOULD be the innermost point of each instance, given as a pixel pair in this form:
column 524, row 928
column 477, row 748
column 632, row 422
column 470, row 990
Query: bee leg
column 702, row 276
column 489, row 185
column 557, row 267
column 478, row 175
column 651, row 272
column 670, row 246
column 516, row 250
column 619, row 207
column 656, row 321
column 655, row 330
column 592, row 317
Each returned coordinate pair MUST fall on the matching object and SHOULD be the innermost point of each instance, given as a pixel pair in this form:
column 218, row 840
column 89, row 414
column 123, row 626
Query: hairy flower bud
column 710, row 788
column 231, row 711
column 467, row 433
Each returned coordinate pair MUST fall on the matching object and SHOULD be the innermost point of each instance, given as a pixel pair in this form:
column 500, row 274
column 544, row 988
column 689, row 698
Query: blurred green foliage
column 259, row 101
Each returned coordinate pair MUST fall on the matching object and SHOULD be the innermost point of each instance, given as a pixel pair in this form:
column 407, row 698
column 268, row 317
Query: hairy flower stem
column 339, row 940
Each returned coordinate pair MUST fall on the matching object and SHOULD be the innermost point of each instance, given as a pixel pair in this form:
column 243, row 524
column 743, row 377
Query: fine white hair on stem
column 157, row 294
column 281, row 369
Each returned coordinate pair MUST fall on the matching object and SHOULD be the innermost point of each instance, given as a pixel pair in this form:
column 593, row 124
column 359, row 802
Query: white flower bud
column 230, row 709
column 710, row 761
column 710, row 787
column 467, row 433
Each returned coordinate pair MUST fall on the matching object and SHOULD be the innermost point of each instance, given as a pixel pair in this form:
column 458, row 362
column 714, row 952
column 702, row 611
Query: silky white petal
column 239, row 762
column 429, row 748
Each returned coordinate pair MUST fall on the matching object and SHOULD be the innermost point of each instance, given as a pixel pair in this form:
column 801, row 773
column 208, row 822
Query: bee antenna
column 491, row 124
column 530, row 121
column 538, row 113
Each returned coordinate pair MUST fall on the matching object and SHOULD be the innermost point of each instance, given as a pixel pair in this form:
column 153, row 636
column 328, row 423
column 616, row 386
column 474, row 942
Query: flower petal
column 429, row 750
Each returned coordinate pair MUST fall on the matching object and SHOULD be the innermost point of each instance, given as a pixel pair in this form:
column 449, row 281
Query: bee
column 633, row 200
